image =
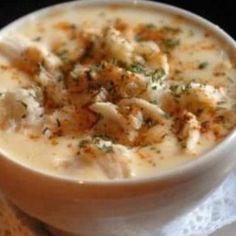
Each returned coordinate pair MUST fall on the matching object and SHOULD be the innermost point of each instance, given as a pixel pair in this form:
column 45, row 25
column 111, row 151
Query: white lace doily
column 218, row 210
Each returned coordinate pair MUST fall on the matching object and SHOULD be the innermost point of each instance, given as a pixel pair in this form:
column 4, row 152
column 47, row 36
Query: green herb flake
column 230, row 79
column 202, row 65
column 144, row 145
column 171, row 43
column 191, row 33
column 101, row 66
column 157, row 74
column 137, row 38
column 167, row 115
column 155, row 149
column 23, row 104
column 45, row 130
column 74, row 76
column 177, row 71
column 101, row 14
column 100, row 136
column 136, row 68
column 37, row 39
column 62, row 54
column 173, row 30
column 150, row 26
column 155, row 102
column 163, row 136
column 106, row 148
column 73, row 26
column 83, row 143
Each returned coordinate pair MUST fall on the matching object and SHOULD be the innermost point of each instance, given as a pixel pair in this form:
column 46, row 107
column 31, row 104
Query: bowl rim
column 186, row 170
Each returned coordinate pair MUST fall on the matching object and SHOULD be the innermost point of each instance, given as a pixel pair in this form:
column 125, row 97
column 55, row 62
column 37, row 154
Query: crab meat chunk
column 18, row 104
column 198, row 95
column 148, row 108
column 115, row 164
column 109, row 111
column 118, row 46
column 28, row 54
column 190, row 131
column 114, row 160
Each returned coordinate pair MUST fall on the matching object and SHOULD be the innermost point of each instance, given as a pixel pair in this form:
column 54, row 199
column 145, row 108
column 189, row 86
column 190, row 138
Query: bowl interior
column 187, row 169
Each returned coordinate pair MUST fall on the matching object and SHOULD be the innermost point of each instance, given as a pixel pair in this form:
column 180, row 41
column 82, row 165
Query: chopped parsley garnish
column 171, row 43
column 103, row 136
column 102, row 14
column 167, row 115
column 73, row 26
column 37, row 39
column 62, row 54
column 99, row 67
column 156, row 75
column 74, row 76
column 191, row 33
column 136, row 68
column 45, row 130
column 202, row 65
column 137, row 38
column 230, row 79
column 23, row 104
column 150, row 26
column 155, row 102
column 173, row 30
column 83, row 143
column 163, row 136
column 105, row 148
column 177, row 90
column 176, row 71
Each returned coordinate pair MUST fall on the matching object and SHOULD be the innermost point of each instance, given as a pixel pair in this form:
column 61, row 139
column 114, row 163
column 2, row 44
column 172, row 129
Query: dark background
column 221, row 12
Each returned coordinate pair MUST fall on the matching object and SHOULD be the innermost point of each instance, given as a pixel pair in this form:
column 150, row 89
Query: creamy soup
column 97, row 93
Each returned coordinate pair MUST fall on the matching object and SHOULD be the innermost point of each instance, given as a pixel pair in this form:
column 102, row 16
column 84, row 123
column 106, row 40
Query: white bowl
column 126, row 207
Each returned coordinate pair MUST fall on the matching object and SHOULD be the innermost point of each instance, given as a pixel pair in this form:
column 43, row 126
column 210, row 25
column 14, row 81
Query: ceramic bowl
column 127, row 207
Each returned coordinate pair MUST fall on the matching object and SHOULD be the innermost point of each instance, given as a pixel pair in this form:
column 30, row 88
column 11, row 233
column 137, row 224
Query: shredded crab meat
column 109, row 111
column 190, row 131
column 21, row 103
column 200, row 95
column 29, row 54
column 150, row 109
column 116, row 165
column 118, row 46
column 208, row 94
column 35, row 58
column 115, row 160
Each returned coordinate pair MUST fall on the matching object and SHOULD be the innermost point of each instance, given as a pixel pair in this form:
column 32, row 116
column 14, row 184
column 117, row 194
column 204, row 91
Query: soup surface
column 97, row 93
